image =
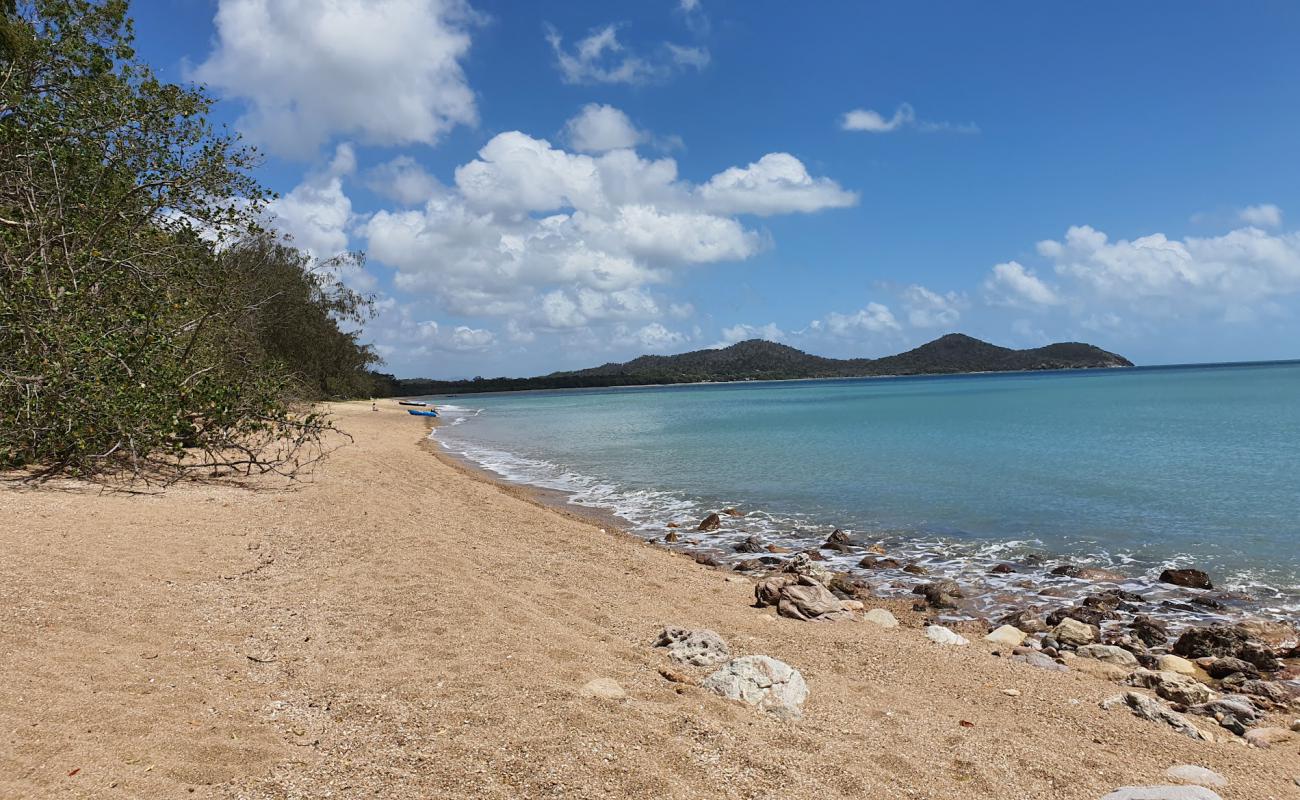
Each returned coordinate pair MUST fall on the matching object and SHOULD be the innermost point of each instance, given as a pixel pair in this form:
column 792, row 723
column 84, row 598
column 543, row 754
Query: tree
column 135, row 331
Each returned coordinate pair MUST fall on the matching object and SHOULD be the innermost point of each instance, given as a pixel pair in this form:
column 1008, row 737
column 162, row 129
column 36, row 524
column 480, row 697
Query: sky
column 554, row 185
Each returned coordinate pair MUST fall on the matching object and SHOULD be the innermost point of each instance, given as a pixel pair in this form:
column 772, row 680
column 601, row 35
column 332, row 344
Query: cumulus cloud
column 559, row 240
column 316, row 213
column 742, row 332
column 867, row 121
column 381, row 71
column 601, row 58
column 1265, row 215
column 874, row 318
column 650, row 338
column 598, row 128
column 929, row 309
column 402, row 180
column 1013, row 284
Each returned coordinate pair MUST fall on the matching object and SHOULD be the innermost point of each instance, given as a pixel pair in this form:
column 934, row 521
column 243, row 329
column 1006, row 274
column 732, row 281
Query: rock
column 731, row 512
column 838, row 540
column 768, row 592
column 674, row 525
column 1011, row 692
column 1149, row 708
column 750, row 545
column 1267, row 737
column 1041, row 661
column 1087, row 573
column 1199, row 776
column 1233, row 712
column 710, row 523
column 1073, row 632
column 1223, row 667
column 1172, row 663
column 1275, row 634
column 916, row 569
column 1213, row 640
column 814, row 555
column 1026, row 620
column 1259, row 655
column 1151, row 631
column 1173, row 687
column 671, row 536
column 1274, row 693
column 870, row 562
column 776, row 548
column 762, row 682
column 1099, row 669
column 749, row 565
column 941, row 593
column 1191, row 578
column 1006, row 635
column 1001, row 569
column 603, row 688
column 941, row 635
column 673, row 675
column 810, row 601
column 1086, row 614
column 1162, row 793
column 698, row 648
column 803, row 564
column 881, row 617
column 1295, row 725
column 1108, row 654
column 847, row 587
column 707, row 560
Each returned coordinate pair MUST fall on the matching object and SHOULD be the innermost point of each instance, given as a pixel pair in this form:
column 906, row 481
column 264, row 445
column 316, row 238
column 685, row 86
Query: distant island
column 760, row 360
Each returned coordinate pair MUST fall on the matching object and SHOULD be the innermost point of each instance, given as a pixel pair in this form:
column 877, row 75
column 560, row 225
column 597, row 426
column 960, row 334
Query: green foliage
column 145, row 320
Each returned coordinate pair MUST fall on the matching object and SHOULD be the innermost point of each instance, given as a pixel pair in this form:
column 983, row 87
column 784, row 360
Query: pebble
column 1011, row 692
column 941, row 635
column 1295, row 725
column 604, row 688
column 1162, row 793
column 881, row 617
column 1190, row 773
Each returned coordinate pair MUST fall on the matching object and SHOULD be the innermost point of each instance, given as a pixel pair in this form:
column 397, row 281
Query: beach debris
column 762, row 682
column 698, row 648
column 1267, row 737
column 1008, row 635
column 1040, row 660
column 1190, row 578
column 1173, row 686
column 603, row 688
column 881, row 617
column 1199, row 776
column 941, row 635
column 1109, row 654
column 1151, row 709
column 710, row 523
column 1162, row 793
column 1072, row 632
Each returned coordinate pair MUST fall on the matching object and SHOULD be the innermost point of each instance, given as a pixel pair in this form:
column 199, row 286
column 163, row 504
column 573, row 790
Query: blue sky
column 552, row 185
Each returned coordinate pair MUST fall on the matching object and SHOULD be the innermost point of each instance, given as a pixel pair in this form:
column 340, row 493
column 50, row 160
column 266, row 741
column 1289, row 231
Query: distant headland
column 756, row 360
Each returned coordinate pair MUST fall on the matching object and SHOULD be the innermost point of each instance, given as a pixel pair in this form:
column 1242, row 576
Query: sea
column 1133, row 470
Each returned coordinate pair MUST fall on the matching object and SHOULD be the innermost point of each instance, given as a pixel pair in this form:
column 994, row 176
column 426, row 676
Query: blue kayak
column 429, row 413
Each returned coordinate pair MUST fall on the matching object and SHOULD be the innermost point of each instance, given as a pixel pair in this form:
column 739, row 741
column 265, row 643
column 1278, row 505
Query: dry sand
column 398, row 627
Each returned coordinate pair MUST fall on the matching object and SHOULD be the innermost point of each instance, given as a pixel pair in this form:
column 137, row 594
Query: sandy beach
column 398, row 626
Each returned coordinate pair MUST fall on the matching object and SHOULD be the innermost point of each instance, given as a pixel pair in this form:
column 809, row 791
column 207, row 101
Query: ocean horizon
column 1129, row 470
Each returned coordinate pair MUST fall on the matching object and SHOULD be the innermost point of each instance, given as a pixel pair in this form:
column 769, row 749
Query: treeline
column 147, row 321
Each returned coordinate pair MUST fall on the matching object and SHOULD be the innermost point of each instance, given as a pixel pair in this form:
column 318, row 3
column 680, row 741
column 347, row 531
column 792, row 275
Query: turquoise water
column 1134, row 469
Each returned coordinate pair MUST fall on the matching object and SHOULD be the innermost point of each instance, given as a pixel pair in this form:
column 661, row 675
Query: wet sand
column 399, row 626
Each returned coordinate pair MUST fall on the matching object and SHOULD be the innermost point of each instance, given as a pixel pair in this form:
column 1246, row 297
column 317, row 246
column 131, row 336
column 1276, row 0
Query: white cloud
column 1265, row 215
column 929, row 309
column 403, row 180
column 316, row 213
column 601, row 58
column 868, row 121
column 778, row 183
column 1014, row 285
column 382, row 71
column 650, row 338
column 742, row 332
column 875, row 318
column 598, row 128
column 398, row 330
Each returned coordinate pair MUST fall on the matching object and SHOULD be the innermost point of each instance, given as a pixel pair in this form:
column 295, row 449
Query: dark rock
column 1084, row 614
column 750, row 545
column 731, row 512
column 1191, row 578
column 813, row 555
column 776, row 548
column 1151, row 631
column 941, row 593
column 671, row 537
column 871, row 562
column 1002, row 569
column 750, row 565
column 847, row 587
column 1214, row 640
column 1177, row 606
column 673, row 525
column 1259, row 655
column 837, row 539
column 1026, row 620
column 1223, row 667
column 710, row 523
column 916, row 569
column 707, row 559
column 1086, row 573
column 1207, row 602
column 1274, row 693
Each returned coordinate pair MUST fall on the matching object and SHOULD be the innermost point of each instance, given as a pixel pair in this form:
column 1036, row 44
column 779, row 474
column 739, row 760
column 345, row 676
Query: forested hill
column 761, row 360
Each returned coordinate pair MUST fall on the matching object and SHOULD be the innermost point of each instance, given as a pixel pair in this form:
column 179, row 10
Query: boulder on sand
column 1074, row 633
column 941, row 635
column 762, row 682
column 881, row 617
column 1008, row 635
column 699, row 648
column 803, row 598
column 1109, row 654
column 1191, row 578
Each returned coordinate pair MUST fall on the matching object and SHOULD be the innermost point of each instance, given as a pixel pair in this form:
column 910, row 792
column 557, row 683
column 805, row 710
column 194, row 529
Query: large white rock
column 762, row 682
column 1200, row 776
column 881, row 617
column 698, row 648
column 1110, row 654
column 1162, row 793
column 1008, row 635
column 1074, row 633
column 941, row 635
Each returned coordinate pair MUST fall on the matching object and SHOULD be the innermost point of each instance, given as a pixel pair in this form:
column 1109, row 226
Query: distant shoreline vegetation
column 759, row 360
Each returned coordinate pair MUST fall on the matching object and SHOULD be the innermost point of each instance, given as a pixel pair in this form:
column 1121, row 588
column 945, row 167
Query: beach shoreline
column 404, row 625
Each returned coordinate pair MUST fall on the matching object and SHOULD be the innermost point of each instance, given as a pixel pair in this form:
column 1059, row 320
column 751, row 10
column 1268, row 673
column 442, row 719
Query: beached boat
column 411, row 403
column 421, row 413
